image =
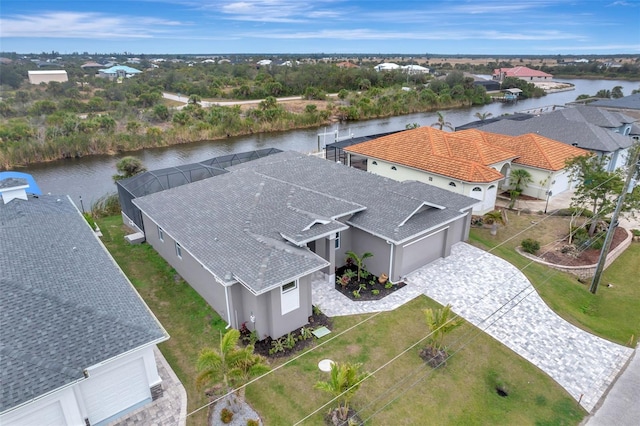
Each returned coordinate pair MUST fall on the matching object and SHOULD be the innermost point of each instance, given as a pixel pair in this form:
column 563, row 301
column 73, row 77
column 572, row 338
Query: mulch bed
column 262, row 347
column 368, row 292
column 588, row 257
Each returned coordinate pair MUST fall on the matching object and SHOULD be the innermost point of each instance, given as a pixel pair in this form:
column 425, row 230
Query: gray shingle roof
column 557, row 126
column 64, row 303
column 242, row 223
column 598, row 116
column 626, row 102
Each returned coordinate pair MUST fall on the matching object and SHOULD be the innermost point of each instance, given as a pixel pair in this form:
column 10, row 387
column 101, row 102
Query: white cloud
column 84, row 25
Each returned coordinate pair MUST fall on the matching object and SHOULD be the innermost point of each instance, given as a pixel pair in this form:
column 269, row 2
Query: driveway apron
column 496, row 297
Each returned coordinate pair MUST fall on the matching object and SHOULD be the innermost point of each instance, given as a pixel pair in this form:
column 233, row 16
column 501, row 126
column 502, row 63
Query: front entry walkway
column 496, row 297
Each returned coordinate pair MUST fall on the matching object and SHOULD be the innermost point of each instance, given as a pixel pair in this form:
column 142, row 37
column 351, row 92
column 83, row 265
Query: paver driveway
column 496, row 297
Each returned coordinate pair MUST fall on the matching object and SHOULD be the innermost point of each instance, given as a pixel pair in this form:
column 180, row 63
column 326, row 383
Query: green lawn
column 611, row 313
column 405, row 391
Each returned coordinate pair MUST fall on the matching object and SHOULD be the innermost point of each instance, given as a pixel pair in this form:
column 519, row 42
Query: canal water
column 90, row 178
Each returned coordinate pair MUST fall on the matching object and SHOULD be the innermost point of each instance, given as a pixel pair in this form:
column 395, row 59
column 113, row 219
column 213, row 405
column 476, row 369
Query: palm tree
column 439, row 324
column 127, row 167
column 344, row 383
column 441, row 123
column 359, row 260
column 229, row 362
column 518, row 178
column 483, row 115
column 194, row 100
column 494, row 218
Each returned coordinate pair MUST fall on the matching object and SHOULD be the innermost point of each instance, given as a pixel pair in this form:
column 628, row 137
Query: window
column 179, row 250
column 289, row 297
column 393, row 168
column 337, row 240
column 477, row 189
column 160, row 234
column 375, row 163
column 452, row 184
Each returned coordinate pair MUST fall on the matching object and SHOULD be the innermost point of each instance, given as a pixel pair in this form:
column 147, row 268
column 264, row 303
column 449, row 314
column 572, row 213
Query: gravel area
column 240, row 418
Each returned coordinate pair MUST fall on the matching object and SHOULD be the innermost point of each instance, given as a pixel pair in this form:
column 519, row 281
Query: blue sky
column 534, row 27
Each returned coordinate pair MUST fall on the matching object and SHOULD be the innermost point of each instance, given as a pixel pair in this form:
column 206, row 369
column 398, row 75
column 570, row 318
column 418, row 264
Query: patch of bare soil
column 561, row 253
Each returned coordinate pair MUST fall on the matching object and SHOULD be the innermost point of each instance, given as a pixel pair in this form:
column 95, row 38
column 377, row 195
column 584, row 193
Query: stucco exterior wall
column 362, row 242
column 191, row 270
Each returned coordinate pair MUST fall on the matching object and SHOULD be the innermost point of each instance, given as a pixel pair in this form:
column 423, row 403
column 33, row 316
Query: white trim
column 289, row 298
column 160, row 234
column 178, row 250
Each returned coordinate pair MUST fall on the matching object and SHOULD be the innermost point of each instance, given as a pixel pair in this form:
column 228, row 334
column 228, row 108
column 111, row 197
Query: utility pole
column 614, row 221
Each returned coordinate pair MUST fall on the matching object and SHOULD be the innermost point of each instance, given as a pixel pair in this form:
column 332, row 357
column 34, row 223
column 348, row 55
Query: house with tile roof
column 470, row 162
column 523, row 73
column 76, row 340
column 252, row 240
column 604, row 133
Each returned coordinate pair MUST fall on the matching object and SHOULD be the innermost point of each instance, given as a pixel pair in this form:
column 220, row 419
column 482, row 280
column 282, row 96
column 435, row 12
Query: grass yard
column 404, row 392
column 188, row 319
column 611, row 313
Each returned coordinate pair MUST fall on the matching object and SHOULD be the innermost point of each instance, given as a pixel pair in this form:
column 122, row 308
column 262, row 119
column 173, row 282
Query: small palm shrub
column 530, row 245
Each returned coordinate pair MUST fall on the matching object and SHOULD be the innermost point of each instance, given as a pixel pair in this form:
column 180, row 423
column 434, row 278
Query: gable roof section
column 598, row 116
column 251, row 222
column 65, row 304
column 465, row 156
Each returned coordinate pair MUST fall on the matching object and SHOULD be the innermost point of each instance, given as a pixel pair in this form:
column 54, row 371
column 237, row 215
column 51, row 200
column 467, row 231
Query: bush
column 252, row 422
column 226, row 415
column 530, row 246
column 573, row 210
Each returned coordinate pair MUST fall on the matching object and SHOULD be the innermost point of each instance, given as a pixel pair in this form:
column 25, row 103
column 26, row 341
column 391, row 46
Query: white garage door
column 50, row 415
column 423, row 251
column 116, row 390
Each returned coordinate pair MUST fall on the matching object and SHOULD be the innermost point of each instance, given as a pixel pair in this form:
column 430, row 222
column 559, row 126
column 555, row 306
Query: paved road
column 621, row 406
column 184, row 99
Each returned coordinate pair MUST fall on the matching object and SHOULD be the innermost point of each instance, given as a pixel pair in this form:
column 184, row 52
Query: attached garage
column 423, row 251
column 50, row 415
column 112, row 392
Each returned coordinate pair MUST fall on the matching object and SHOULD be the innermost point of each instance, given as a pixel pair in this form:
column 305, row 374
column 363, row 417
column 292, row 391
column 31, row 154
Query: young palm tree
column 359, row 260
column 483, row 115
column 441, row 123
column 344, row 382
column 439, row 324
column 494, row 218
column 518, row 178
column 229, row 362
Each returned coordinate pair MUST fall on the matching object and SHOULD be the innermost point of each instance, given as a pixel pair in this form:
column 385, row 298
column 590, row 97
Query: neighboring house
column 118, row 71
column 76, row 340
column 628, row 105
column 470, row 162
column 386, row 66
column 91, row 64
column 37, row 77
column 594, row 129
column 252, row 240
column 264, row 62
column 346, row 64
column 415, row 69
column 523, row 73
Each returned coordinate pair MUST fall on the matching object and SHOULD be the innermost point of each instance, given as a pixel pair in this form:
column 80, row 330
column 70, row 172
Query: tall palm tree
column 344, row 382
column 441, row 123
column 483, row 115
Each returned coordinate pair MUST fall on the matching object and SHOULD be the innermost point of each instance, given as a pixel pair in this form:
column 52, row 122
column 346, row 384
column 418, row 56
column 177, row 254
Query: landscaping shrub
column 573, row 210
column 530, row 245
column 226, row 415
column 253, row 422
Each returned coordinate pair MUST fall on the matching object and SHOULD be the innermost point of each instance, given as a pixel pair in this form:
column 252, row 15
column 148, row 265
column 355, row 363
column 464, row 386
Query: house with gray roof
column 77, row 341
column 629, row 105
column 251, row 241
column 602, row 132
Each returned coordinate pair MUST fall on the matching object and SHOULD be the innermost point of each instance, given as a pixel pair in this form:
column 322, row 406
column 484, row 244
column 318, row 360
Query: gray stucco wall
column 362, row 242
column 188, row 268
column 279, row 324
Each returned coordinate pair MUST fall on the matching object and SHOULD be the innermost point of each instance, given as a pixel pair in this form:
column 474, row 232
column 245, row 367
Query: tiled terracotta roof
column 466, row 155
